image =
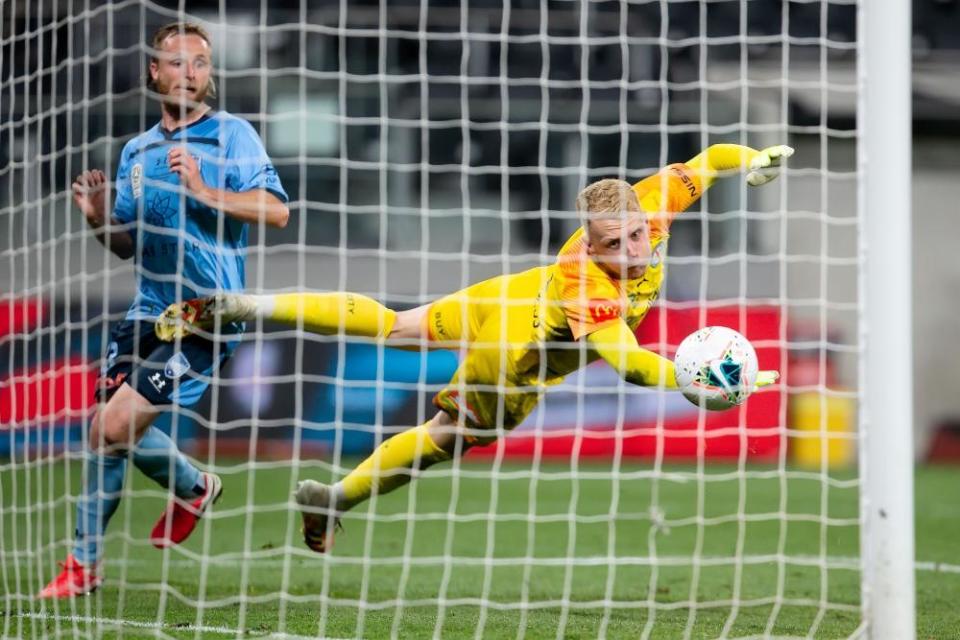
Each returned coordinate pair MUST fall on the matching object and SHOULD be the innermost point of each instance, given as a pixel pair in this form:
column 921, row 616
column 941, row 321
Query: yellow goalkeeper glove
column 765, row 166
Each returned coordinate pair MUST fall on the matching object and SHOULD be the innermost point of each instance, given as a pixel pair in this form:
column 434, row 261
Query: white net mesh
column 427, row 146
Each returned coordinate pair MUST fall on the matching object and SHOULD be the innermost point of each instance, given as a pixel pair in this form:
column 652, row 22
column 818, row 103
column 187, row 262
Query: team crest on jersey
column 161, row 208
column 657, row 257
column 177, row 365
column 136, row 180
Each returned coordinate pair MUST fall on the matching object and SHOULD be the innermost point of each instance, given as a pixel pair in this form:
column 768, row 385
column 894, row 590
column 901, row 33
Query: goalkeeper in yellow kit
column 520, row 333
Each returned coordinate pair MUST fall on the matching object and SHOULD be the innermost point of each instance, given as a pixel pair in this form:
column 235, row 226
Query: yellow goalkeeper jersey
column 544, row 310
column 582, row 298
column 520, row 331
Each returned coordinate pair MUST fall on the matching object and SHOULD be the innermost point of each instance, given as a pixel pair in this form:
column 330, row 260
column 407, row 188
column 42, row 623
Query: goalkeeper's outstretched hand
column 766, row 165
column 765, row 378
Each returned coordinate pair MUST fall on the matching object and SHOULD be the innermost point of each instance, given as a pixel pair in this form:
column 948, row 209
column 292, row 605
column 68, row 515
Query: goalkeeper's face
column 181, row 71
column 620, row 244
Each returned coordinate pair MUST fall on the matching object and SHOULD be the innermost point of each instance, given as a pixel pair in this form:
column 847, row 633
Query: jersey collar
column 168, row 134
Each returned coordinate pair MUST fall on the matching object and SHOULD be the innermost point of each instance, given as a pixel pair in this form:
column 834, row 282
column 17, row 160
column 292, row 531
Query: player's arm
column 247, row 206
column 250, row 206
column 676, row 187
column 718, row 160
column 617, row 345
column 90, row 194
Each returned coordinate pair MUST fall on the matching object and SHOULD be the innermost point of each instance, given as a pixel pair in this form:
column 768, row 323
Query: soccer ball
column 716, row 368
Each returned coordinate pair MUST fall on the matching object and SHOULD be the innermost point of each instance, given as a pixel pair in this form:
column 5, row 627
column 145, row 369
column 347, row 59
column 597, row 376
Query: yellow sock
column 329, row 313
column 386, row 468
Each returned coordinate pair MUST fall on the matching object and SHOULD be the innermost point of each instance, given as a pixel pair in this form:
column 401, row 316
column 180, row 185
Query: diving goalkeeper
column 520, row 333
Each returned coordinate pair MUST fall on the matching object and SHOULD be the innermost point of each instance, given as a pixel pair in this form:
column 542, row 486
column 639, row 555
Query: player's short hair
column 604, row 198
column 173, row 29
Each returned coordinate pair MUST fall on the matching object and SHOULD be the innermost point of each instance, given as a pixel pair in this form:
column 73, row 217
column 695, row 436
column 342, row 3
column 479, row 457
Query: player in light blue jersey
column 186, row 191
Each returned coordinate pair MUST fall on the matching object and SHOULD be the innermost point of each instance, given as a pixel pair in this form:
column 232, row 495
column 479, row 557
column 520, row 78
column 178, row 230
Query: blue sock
column 157, row 456
column 98, row 502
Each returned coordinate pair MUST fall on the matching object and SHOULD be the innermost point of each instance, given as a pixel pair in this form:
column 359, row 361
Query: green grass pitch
column 505, row 546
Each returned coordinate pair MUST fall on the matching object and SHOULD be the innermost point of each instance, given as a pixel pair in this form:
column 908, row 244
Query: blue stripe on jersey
column 186, row 249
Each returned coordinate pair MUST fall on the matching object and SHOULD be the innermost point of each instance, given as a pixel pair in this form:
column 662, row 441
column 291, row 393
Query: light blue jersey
column 185, row 249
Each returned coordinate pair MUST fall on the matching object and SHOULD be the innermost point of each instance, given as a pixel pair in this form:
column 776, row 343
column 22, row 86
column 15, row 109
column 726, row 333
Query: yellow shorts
column 491, row 323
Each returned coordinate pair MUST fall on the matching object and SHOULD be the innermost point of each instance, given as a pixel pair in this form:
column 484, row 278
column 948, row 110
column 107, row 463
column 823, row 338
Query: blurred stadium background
column 419, row 161
column 406, row 227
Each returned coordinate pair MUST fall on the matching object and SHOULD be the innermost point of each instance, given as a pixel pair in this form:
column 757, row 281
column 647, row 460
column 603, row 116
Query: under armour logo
column 157, row 380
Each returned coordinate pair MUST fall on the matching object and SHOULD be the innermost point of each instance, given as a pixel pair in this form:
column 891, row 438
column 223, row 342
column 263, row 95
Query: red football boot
column 179, row 520
column 74, row 579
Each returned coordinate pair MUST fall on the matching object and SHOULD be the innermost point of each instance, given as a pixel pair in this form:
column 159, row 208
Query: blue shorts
column 162, row 372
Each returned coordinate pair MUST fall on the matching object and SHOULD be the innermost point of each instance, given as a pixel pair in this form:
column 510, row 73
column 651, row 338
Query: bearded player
column 520, row 333
column 186, row 191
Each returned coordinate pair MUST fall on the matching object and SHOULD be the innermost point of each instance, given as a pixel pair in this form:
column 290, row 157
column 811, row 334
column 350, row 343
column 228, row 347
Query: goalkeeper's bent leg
column 389, row 466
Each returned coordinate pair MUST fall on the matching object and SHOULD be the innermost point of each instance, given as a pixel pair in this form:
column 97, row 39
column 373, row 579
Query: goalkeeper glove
column 765, row 166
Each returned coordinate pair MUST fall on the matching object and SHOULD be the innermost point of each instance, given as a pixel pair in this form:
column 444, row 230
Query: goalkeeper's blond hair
column 606, row 198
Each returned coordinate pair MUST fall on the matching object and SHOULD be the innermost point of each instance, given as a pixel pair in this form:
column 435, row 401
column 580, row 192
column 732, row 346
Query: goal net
column 427, row 146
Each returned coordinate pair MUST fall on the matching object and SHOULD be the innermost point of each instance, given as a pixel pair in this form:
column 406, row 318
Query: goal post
column 886, row 366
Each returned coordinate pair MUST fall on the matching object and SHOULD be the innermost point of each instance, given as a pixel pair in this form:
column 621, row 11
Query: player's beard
column 179, row 104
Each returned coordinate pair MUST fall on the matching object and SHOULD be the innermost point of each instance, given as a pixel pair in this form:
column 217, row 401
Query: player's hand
column 766, row 165
column 90, row 194
column 184, row 165
column 765, row 378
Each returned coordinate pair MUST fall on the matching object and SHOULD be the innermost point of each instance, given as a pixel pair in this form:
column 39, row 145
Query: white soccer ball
column 716, row 368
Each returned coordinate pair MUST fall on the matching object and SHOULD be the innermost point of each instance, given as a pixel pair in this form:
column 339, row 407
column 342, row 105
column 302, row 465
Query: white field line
column 187, row 628
column 938, row 567
column 850, row 562
column 138, row 624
